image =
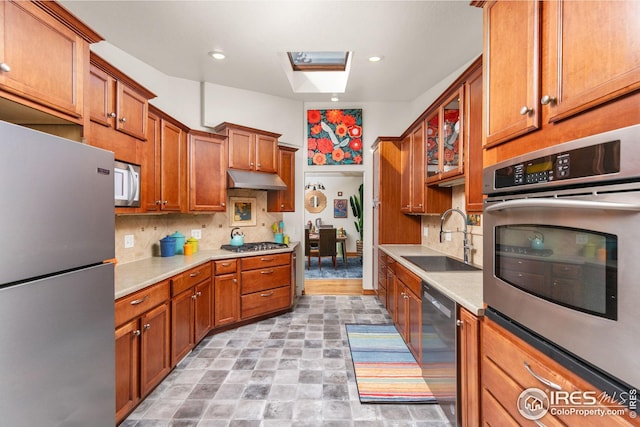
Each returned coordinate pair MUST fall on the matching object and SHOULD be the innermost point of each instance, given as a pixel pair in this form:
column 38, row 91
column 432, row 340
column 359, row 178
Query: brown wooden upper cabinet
column 412, row 183
column 44, row 55
column 251, row 149
column 554, row 60
column 284, row 200
column 207, row 172
column 444, row 133
column 118, row 110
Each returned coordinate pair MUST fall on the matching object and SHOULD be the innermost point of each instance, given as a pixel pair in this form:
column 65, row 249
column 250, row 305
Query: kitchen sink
column 440, row 263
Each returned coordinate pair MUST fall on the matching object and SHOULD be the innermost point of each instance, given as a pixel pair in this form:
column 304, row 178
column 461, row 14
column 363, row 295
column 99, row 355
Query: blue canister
column 180, row 241
column 168, row 246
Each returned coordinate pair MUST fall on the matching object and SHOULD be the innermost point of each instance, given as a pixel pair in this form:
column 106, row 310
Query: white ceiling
column 422, row 42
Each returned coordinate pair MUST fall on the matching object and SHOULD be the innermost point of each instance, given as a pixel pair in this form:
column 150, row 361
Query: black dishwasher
column 439, row 355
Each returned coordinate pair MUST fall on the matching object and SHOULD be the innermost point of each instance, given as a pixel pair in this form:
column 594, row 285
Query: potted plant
column 358, row 213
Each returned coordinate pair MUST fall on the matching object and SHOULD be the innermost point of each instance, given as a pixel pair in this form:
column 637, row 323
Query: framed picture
column 242, row 211
column 334, row 137
column 340, row 208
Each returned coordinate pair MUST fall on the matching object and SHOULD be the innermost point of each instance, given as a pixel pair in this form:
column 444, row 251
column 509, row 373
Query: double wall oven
column 562, row 252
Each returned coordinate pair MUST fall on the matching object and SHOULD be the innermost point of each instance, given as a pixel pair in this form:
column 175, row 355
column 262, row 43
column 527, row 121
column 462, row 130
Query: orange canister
column 188, row 249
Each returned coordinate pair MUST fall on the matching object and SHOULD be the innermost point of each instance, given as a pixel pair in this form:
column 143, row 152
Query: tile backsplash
column 215, row 228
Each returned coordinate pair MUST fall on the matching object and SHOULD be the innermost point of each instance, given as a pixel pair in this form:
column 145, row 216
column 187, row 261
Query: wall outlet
column 447, row 236
column 425, row 231
column 196, row 234
column 128, row 241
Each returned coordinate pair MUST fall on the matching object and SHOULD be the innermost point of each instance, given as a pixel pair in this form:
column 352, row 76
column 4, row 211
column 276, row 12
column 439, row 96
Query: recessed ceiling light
column 335, row 99
column 217, row 55
column 375, row 58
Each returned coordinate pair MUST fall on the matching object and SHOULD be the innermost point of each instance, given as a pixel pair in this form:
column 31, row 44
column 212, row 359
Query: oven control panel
column 584, row 162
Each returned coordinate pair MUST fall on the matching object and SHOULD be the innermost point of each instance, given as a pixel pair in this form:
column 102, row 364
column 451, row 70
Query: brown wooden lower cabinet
column 142, row 345
column 159, row 325
column 469, row 361
column 408, row 291
column 507, row 363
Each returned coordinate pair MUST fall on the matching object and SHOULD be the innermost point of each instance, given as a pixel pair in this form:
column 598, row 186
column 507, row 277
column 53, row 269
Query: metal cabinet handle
column 193, row 297
column 459, row 323
column 139, row 301
column 251, row 164
column 541, row 379
column 225, row 264
column 268, row 294
column 525, row 110
column 164, row 202
column 136, row 333
column 235, row 280
column 197, row 273
column 111, row 115
column 199, row 294
column 259, row 165
column 267, row 259
column 5, row 67
column 223, row 204
column 123, row 120
column 547, row 99
column 147, row 326
column 266, row 271
column 282, row 205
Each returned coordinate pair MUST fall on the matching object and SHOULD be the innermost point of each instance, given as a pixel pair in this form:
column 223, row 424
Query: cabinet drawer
column 189, row 278
column 225, row 266
column 411, row 281
column 522, row 265
column 258, row 303
column 131, row 306
column 262, row 261
column 566, row 271
column 265, row 278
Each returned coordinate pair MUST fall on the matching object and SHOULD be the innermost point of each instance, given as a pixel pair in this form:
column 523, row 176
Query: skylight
column 318, row 61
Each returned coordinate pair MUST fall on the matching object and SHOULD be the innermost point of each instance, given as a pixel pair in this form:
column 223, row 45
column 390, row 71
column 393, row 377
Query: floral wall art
column 334, row 137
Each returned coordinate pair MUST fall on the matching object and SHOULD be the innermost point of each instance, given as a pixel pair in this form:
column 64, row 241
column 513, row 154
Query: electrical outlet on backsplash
column 214, row 228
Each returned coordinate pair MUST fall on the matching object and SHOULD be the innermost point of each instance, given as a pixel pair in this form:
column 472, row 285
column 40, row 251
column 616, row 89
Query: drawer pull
column 139, row 301
column 266, row 271
column 235, row 280
column 542, row 380
column 147, row 326
column 197, row 273
column 136, row 333
column 225, row 264
column 268, row 294
column 267, row 259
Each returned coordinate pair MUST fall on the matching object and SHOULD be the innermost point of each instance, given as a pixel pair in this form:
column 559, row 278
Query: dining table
column 341, row 239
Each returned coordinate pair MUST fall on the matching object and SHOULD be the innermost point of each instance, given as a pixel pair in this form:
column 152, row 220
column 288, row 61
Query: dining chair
column 327, row 245
column 310, row 249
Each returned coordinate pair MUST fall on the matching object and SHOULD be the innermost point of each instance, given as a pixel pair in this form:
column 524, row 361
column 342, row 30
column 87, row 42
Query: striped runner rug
column 385, row 369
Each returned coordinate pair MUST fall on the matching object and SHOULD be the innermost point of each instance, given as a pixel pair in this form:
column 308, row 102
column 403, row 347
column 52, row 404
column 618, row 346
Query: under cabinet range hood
column 255, row 180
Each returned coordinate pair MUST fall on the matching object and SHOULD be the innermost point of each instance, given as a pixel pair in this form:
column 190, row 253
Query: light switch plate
column 196, row 234
column 425, row 231
column 447, row 236
column 128, row 241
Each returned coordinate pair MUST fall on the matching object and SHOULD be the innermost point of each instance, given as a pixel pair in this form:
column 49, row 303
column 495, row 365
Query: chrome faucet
column 465, row 243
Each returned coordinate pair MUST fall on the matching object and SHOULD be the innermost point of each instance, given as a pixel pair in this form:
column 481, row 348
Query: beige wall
column 149, row 229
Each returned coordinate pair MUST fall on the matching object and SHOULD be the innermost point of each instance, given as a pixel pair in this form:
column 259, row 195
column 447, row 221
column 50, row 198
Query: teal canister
column 179, row 242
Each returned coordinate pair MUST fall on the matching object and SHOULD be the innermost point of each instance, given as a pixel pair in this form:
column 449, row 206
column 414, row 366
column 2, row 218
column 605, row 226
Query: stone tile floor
column 291, row 370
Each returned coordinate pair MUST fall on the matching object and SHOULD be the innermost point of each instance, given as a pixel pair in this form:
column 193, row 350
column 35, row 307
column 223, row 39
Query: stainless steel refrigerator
column 56, row 294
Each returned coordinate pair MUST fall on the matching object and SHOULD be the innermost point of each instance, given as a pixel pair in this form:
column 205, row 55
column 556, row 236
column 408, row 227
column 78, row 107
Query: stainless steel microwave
column 126, row 186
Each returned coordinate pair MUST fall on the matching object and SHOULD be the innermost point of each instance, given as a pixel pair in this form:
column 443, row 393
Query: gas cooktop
column 254, row 247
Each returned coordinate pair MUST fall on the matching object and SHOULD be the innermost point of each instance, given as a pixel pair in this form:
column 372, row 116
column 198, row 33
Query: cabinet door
column 405, row 175
column 150, row 167
column 414, row 324
column 401, row 309
column 512, row 69
column 207, row 174
column 127, row 373
column 241, row 149
column 593, row 54
column 131, row 111
column 473, row 142
column 469, row 333
column 417, row 170
column 433, row 145
column 392, row 295
column 203, row 306
column 181, row 325
column 226, row 299
column 43, row 60
column 100, row 93
column 452, row 135
column 266, row 153
column 285, row 200
column 154, row 353
column 171, row 152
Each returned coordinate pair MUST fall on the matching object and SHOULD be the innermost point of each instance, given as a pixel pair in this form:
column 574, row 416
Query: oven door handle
column 562, row 203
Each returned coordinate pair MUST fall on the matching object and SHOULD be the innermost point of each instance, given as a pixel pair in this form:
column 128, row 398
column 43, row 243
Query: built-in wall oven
column 562, row 251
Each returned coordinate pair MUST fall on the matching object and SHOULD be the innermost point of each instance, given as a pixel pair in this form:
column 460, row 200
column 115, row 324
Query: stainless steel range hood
column 255, row 180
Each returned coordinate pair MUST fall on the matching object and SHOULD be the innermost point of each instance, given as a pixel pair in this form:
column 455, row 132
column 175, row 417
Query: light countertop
column 133, row 276
column 464, row 287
